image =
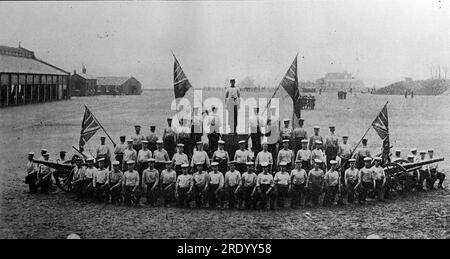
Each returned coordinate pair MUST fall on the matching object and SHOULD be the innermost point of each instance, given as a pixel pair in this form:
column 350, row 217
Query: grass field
column 422, row 122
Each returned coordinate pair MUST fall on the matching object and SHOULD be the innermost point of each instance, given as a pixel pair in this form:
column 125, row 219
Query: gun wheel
column 63, row 181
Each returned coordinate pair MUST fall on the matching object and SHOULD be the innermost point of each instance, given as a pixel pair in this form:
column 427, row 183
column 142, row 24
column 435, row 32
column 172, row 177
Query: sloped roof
column 338, row 76
column 86, row 76
column 112, row 80
column 14, row 64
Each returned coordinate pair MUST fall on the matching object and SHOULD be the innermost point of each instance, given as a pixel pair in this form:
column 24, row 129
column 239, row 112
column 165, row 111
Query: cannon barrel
column 408, row 167
column 56, row 166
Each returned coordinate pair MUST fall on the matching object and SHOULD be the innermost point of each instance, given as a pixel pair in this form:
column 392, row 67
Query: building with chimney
column 25, row 79
column 119, row 85
column 83, row 84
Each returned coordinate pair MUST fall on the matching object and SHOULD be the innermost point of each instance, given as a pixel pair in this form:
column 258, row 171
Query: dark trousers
column 140, row 169
column 297, row 145
column 245, row 197
column 88, row 188
column 364, row 189
column 432, row 177
column 331, row 154
column 423, row 174
column 379, row 189
column 441, row 178
column 169, row 145
column 183, row 199
column 168, row 193
column 256, row 142
column 213, row 142
column 263, row 198
column 45, row 184
column 297, row 194
column 223, row 166
column 100, row 192
column 160, row 166
column 199, row 196
column 241, row 167
column 231, row 196
column 30, row 179
column 129, row 195
column 282, row 194
column 151, row 195
column 214, row 196
column 116, row 193
column 330, row 195
column 351, row 191
column 306, row 165
column 314, row 193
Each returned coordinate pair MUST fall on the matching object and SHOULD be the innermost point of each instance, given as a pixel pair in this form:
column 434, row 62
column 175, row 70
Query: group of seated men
column 239, row 183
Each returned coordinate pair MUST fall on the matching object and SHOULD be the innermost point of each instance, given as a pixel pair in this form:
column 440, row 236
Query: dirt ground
column 421, row 122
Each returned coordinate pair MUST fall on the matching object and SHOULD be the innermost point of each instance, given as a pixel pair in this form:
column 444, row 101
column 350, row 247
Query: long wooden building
column 25, row 79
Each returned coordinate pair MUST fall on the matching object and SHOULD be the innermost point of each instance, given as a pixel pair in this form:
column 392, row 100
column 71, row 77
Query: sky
column 381, row 41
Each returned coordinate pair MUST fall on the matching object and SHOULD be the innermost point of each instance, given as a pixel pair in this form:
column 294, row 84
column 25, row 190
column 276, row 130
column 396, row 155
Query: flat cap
column 367, row 159
column 318, row 142
column 242, row 142
column 298, row 161
column 422, row 152
column 101, row 159
column 214, row 164
column 180, row 145
column 250, row 163
column 90, row 159
column 317, row 161
column 283, row 163
column 377, row 158
column 199, row 143
column 430, row 150
column 333, row 162
column 144, row 142
column 304, row 141
column 184, row 166
column 159, row 141
column 351, row 160
column 31, row 153
column 286, row 141
column 102, row 137
column 286, row 120
column 221, row 142
column 129, row 140
column 115, row 163
column 130, row 162
column 316, row 127
column 413, row 149
column 137, row 126
column 151, row 160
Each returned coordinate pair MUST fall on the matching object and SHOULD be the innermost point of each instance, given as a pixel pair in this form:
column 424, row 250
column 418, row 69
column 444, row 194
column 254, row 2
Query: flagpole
column 101, row 126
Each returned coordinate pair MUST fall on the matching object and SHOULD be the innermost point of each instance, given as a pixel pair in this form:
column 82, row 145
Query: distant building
column 118, row 85
column 24, row 79
column 339, row 81
column 83, row 84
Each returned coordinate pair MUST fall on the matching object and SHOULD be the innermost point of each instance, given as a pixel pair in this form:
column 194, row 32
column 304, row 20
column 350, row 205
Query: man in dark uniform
column 169, row 138
column 137, row 138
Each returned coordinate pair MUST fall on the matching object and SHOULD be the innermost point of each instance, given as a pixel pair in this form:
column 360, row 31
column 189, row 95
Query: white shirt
column 298, row 176
column 144, row 155
column 232, row 178
column 282, row 178
column 242, row 156
column 264, row 156
column 216, row 178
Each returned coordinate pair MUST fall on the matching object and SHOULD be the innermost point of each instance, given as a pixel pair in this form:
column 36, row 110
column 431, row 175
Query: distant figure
column 412, row 94
column 406, row 94
column 232, row 100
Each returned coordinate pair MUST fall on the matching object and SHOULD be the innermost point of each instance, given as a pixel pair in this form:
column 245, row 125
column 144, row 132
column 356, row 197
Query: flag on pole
column 180, row 82
column 89, row 126
column 381, row 126
column 290, row 84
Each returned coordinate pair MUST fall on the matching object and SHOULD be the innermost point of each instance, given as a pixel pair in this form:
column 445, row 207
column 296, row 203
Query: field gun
column 397, row 172
column 62, row 174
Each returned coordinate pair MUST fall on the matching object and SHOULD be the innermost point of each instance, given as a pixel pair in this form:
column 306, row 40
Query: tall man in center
column 232, row 101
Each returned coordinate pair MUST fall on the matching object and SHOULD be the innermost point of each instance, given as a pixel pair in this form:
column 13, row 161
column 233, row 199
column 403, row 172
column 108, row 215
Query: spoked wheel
column 63, row 180
column 397, row 175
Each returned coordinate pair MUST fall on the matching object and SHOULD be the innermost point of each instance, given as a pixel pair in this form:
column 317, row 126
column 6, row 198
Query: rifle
column 79, row 151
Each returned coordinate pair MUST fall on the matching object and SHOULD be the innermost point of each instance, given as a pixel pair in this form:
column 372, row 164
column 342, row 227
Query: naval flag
column 290, row 84
column 89, row 126
column 180, row 82
column 381, row 126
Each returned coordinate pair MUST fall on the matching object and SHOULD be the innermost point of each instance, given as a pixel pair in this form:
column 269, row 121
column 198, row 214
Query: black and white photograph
column 225, row 120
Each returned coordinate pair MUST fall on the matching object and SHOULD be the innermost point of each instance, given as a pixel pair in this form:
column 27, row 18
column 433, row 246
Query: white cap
column 180, row 145
column 44, row 150
column 242, row 142
column 129, row 140
column 214, row 164
column 351, row 160
column 316, row 127
column 115, row 163
column 89, row 159
column 264, row 164
column 333, row 162
column 31, row 153
column 285, row 140
column 377, row 159
column 250, row 163
column 159, row 141
column 410, row 156
column 298, row 161
column 318, row 142
column 221, row 142
column 422, row 152
column 144, row 142
column 430, row 150
column 317, row 161
column 398, row 151
column 304, row 141
column 151, row 160
column 184, row 166
column 283, row 163
column 101, row 159
column 286, row 120
column 367, row 159
column 413, row 149
column 130, row 162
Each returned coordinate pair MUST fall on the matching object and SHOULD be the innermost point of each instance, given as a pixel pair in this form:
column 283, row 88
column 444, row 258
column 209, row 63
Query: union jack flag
column 381, row 126
column 180, row 82
column 89, row 126
column 290, row 84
